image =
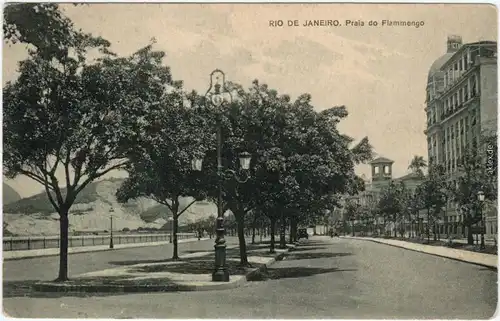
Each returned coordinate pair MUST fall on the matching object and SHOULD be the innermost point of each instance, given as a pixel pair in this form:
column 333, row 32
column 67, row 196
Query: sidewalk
column 25, row 254
column 193, row 272
column 487, row 260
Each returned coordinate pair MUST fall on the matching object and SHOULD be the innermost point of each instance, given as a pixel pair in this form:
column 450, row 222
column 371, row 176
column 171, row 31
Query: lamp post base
column 220, row 275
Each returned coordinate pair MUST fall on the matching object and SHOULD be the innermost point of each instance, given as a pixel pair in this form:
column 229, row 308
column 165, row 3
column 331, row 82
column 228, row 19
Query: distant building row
column 461, row 104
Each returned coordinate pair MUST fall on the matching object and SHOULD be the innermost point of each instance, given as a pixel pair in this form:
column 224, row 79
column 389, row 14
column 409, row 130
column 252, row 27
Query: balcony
column 455, row 109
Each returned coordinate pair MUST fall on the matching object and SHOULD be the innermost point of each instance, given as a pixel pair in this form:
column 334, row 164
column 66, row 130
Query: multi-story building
column 461, row 104
column 381, row 176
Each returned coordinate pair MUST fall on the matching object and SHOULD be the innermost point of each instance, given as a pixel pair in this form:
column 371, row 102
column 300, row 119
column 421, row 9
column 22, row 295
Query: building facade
column 381, row 177
column 461, row 104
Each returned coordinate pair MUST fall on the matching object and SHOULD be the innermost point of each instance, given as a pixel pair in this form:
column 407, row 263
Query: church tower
column 381, row 170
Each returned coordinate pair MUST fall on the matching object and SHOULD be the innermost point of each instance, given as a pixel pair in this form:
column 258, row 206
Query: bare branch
column 69, row 187
column 95, row 176
column 55, row 185
column 185, row 208
column 163, row 202
column 46, row 183
column 39, row 179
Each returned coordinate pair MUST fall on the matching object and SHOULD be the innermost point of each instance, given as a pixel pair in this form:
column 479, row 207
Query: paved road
column 326, row 278
column 46, row 268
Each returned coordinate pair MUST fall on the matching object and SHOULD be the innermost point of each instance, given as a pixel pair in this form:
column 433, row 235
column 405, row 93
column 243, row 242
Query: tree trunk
column 294, row 228
column 175, row 226
column 63, row 246
column 253, row 234
column 241, row 238
column 470, row 236
column 290, row 232
column 273, row 225
column 417, row 227
column 282, row 231
column 410, row 227
column 428, row 226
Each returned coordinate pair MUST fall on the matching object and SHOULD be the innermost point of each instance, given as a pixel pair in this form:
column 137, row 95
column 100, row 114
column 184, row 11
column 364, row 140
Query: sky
column 378, row 72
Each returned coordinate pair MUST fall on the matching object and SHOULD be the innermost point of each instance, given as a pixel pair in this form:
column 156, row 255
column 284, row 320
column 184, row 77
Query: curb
column 31, row 256
column 495, row 268
column 145, row 288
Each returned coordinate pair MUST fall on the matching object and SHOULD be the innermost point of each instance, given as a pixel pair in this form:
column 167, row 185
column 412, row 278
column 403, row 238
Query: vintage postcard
column 254, row 161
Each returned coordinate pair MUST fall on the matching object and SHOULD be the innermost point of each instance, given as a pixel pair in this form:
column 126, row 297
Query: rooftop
column 381, row 160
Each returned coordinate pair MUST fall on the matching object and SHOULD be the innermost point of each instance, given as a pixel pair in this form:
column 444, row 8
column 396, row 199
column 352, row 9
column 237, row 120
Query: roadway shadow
column 132, row 262
column 310, row 256
column 231, row 253
column 194, row 251
column 308, row 243
column 489, row 269
column 308, row 248
column 24, row 288
column 292, row 272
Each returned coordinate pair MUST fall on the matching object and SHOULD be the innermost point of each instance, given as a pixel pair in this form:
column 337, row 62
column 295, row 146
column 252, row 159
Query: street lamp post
column 111, row 245
column 480, row 197
column 218, row 95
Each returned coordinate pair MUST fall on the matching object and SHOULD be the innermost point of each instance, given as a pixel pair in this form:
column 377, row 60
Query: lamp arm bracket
column 231, row 174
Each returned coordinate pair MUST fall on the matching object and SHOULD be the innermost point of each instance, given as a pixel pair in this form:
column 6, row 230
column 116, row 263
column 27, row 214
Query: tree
column 160, row 166
column 299, row 158
column 351, row 210
column 42, row 26
column 475, row 174
column 417, row 164
column 254, row 220
column 431, row 194
column 64, row 114
column 392, row 203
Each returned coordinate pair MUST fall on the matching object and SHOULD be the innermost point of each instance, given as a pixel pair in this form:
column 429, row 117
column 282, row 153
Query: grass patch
column 200, row 266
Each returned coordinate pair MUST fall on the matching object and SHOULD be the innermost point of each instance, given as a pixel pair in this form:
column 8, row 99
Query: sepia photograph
column 250, row 161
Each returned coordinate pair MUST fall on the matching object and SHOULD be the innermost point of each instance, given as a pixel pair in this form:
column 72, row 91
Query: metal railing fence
column 20, row 243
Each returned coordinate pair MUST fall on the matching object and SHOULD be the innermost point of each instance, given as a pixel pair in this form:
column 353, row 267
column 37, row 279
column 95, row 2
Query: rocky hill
column 9, row 194
column 91, row 212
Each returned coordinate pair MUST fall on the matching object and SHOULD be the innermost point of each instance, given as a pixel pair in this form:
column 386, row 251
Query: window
column 386, row 169
column 474, row 86
column 376, row 170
